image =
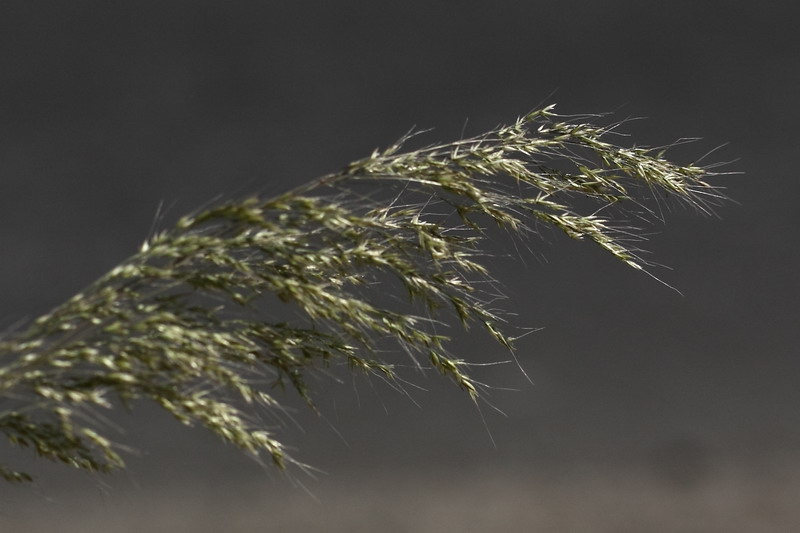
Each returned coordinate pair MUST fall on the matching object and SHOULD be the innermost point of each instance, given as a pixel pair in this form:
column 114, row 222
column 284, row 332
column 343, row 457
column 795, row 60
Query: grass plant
column 188, row 321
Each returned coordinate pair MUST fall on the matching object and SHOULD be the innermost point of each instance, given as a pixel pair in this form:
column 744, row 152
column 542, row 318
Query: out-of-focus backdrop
column 649, row 411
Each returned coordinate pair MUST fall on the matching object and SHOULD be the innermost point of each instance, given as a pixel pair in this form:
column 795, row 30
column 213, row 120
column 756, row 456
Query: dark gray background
column 650, row 411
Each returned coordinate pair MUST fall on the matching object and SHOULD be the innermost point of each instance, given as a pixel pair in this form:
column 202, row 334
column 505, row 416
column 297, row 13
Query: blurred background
column 649, row 412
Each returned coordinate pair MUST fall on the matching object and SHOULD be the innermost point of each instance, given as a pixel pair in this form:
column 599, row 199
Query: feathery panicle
column 185, row 321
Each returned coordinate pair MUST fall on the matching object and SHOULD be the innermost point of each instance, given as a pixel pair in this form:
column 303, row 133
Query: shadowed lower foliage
column 384, row 250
